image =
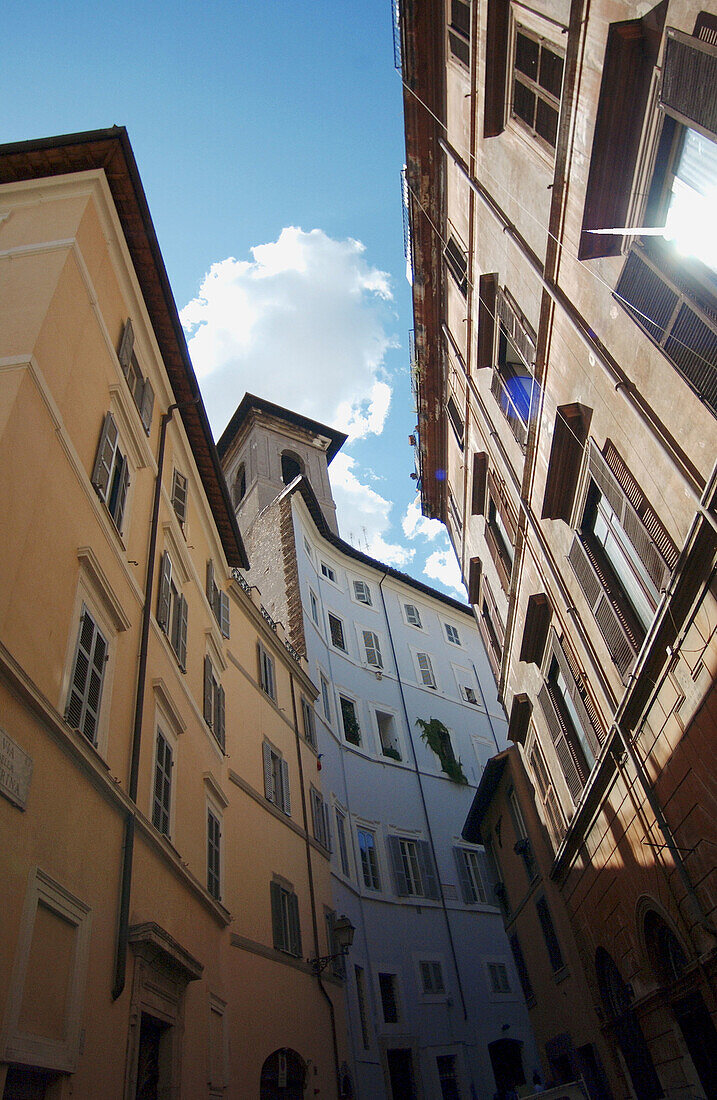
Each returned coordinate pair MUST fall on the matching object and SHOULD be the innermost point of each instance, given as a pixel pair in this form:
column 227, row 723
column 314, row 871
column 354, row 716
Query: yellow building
column 160, row 891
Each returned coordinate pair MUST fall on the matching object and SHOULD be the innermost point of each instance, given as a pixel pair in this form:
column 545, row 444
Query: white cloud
column 416, row 525
column 304, row 324
column 443, row 566
column 363, row 514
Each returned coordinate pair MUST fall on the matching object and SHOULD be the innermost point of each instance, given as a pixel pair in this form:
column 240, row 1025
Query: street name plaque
column 15, row 770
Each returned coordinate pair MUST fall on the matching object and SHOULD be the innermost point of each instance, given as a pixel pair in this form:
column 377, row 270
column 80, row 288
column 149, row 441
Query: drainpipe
column 129, row 828
column 309, row 868
column 423, row 801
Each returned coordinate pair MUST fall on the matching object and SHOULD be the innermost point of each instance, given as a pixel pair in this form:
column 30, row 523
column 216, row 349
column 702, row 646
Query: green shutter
column 105, row 455
column 277, row 924
column 224, row 614
column 163, row 600
column 145, row 404
column 182, row 635
column 294, row 926
column 208, row 693
column 399, row 875
column 126, row 347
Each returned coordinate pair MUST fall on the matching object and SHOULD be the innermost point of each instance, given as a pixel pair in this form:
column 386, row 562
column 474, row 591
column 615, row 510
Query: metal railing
column 241, row 580
column 244, row 584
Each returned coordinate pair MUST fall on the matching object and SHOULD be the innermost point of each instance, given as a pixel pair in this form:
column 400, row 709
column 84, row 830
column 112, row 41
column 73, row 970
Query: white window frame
column 342, row 841
column 376, row 872
column 314, row 609
column 432, row 962
column 354, row 702
column 398, row 740
column 325, row 685
column 370, row 647
column 421, row 673
column 358, row 586
column 407, row 615
column 328, row 573
column 448, row 627
column 342, row 622
column 495, row 970
column 471, row 876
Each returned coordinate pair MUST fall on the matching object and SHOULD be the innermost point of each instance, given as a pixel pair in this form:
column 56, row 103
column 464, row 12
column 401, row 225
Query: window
column 291, row 467
column 413, row 869
column 470, row 875
column 161, row 802
column 179, row 496
column 361, row 998
column 320, row 820
column 325, row 696
column 352, row 730
column 369, row 859
column 551, row 940
column 468, row 693
column 492, row 624
column 240, row 485
column 314, row 604
column 452, row 634
column 498, row 975
column 387, row 734
column 553, row 813
column 431, row 977
column 413, row 615
column 387, row 984
column 425, row 670
column 88, row 671
column 459, row 31
column 500, row 532
column 285, row 919
column 457, row 264
column 218, row 601
column 172, row 611
column 328, row 572
column 537, row 83
column 110, row 475
column 140, row 388
column 336, row 631
column 214, row 836
column 455, row 419
column 512, row 382
column 266, row 673
column 307, row 714
column 362, row 593
column 276, row 778
column 214, row 702
column 521, row 968
column 372, row 649
column 448, row 1076
column 341, row 835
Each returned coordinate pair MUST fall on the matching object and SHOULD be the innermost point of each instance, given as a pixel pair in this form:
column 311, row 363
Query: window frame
column 370, row 864
column 361, row 586
column 308, row 718
column 328, row 573
column 180, row 497
column 389, row 998
column 285, row 918
column 267, row 672
column 532, row 85
column 448, row 627
column 472, row 878
column 172, row 609
column 371, row 643
column 425, row 672
column 352, row 702
column 407, row 615
column 335, row 620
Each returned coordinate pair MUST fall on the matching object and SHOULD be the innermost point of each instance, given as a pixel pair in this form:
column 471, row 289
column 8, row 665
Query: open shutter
column 165, row 583
column 496, row 55
column 294, row 926
column 285, row 785
column 224, row 614
column 182, row 634
column 105, row 454
column 327, row 826
column 474, row 574
column 464, row 877
column 179, row 496
column 122, row 495
column 315, row 801
column 126, row 346
column 428, row 872
column 88, row 674
column 535, row 632
column 487, row 287
column 520, row 713
column 570, row 431
column 613, row 626
column 277, row 924
column 592, row 735
column 570, row 765
column 146, row 404
column 689, row 77
column 268, row 773
column 373, row 650
column 399, row 875
column 208, row 693
column 221, row 716
column 480, row 473
column 210, row 583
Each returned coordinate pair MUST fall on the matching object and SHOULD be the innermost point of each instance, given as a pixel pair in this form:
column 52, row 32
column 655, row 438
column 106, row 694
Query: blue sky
column 269, row 140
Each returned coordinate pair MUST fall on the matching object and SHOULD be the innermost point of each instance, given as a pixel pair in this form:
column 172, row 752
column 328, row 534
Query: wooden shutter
column 494, row 615
column 105, row 455
column 179, row 496
column 285, row 787
column 211, row 587
column 220, row 731
column 399, row 875
column 570, row 765
column 277, row 922
column 208, row 692
column 474, row 575
column 520, row 713
column 182, row 634
column 126, row 346
column 165, row 591
column 294, row 926
column 457, row 264
column 428, row 872
column 593, row 734
column 480, row 473
column 464, row 877
column 535, row 632
column 487, row 288
column 566, row 454
column 517, row 329
column 121, row 495
column 689, row 78
column 268, row 772
column 646, row 513
column 619, row 638
column 224, row 614
column 327, row 826
column 496, row 65
column 145, row 404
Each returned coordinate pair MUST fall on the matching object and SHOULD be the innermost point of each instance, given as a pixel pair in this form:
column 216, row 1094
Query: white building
column 434, row 1000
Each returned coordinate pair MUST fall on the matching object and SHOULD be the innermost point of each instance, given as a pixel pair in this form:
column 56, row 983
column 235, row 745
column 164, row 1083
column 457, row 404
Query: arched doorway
column 616, row 997
column 283, row 1076
column 506, row 1058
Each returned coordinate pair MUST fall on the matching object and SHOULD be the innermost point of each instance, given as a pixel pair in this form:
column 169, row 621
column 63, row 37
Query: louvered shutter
column 373, row 650
column 516, row 327
column 165, row 589
column 277, row 923
column 83, row 704
column 426, row 669
column 327, row 826
column 399, row 874
column 208, row 692
column 520, row 713
column 126, row 346
column 314, row 799
column 464, row 877
column 294, row 926
column 592, row 734
column 535, row 632
column 221, row 717
column 210, row 583
column 689, row 77
column 486, row 319
column 285, row 785
column 428, row 872
column 121, row 495
column 146, row 404
column 105, row 455
column 620, row 641
column 268, row 773
column 181, row 649
column 570, row 765
column 224, row 614
column 179, row 496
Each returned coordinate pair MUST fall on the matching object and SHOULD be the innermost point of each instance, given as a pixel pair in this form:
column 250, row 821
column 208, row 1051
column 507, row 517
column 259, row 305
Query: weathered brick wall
column 272, row 555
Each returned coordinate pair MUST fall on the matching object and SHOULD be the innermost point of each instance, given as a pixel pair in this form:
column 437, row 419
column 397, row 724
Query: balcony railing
column 244, row 584
column 508, row 407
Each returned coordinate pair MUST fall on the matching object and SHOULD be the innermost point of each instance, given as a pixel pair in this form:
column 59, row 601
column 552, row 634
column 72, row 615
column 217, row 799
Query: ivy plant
column 436, row 736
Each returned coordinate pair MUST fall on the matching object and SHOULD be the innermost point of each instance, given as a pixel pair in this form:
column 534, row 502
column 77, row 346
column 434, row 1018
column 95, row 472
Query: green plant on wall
column 437, row 737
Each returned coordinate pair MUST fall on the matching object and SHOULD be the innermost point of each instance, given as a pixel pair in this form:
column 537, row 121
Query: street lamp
column 343, row 936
